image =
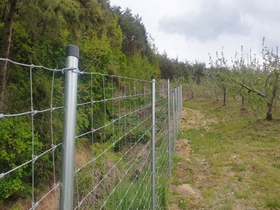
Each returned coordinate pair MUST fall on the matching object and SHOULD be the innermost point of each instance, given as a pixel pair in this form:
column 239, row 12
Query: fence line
column 122, row 149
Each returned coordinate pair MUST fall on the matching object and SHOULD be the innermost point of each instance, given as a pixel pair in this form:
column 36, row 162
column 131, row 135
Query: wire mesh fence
column 113, row 165
column 30, row 136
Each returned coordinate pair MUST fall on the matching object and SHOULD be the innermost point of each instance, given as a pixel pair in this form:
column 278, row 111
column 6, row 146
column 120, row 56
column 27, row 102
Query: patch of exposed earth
column 194, row 119
column 185, row 192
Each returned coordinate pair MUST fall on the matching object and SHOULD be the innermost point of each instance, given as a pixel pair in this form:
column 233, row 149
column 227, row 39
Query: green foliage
column 272, row 202
column 15, row 149
column 136, row 198
column 162, row 188
column 178, row 70
column 134, row 33
column 11, row 186
column 15, row 135
column 17, row 206
column 140, row 67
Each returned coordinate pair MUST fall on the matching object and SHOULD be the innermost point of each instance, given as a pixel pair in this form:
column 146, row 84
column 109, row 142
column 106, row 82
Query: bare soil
column 194, row 119
column 185, row 192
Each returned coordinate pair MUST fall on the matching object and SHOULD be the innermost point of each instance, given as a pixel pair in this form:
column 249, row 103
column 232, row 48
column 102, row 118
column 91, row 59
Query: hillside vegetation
column 111, row 40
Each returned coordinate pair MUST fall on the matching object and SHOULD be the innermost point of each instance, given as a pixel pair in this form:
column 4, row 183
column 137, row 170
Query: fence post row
column 69, row 128
column 153, row 161
column 174, row 102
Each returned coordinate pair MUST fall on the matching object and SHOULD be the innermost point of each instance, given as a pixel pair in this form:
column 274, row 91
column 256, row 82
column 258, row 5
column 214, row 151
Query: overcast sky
column 191, row 29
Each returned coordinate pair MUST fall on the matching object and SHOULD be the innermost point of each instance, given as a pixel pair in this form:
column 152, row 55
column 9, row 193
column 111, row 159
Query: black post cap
column 72, row 50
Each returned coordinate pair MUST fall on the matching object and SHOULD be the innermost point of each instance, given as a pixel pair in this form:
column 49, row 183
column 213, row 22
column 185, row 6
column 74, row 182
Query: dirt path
column 185, row 192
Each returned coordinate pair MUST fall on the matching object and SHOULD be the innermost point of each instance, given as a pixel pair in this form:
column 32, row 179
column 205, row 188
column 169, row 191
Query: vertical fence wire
column 32, row 134
column 55, row 194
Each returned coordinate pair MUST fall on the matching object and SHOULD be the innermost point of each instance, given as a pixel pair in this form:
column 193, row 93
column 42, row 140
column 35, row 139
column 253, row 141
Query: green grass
column 241, row 158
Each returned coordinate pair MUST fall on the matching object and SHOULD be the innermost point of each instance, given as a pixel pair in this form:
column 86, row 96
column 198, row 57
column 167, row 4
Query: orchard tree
column 257, row 83
column 219, row 75
column 267, row 84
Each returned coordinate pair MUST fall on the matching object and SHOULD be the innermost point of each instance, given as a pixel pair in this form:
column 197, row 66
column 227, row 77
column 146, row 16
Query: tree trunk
column 6, row 46
column 216, row 95
column 273, row 97
column 225, row 97
column 243, row 103
column 269, row 112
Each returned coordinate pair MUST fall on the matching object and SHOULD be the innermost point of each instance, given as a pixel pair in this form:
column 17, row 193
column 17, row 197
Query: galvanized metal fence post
column 178, row 107
column 175, row 114
column 178, row 110
column 153, row 161
column 174, row 122
column 169, row 127
column 181, row 101
column 69, row 128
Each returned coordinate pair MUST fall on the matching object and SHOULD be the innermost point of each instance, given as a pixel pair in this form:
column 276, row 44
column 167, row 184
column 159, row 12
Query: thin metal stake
column 153, row 162
column 168, row 126
column 174, row 122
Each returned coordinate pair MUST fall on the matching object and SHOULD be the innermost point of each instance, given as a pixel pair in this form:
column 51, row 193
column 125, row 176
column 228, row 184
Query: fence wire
column 26, row 150
column 113, row 141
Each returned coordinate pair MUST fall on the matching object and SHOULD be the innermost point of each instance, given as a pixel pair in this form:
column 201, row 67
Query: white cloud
column 191, row 29
column 213, row 19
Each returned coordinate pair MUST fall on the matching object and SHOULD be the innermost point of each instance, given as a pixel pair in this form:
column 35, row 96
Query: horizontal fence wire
column 113, row 140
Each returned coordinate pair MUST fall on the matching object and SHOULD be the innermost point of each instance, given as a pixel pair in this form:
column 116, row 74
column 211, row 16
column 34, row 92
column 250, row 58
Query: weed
column 272, row 202
column 209, row 195
column 276, row 165
column 239, row 177
column 242, row 194
column 183, row 204
column 238, row 167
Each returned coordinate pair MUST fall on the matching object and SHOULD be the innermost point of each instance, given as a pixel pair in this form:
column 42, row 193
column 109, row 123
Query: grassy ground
column 227, row 159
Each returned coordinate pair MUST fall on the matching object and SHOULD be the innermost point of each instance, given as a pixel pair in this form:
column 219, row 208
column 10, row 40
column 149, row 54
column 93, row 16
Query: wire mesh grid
column 30, row 159
column 113, row 140
column 117, row 137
